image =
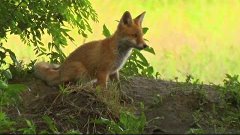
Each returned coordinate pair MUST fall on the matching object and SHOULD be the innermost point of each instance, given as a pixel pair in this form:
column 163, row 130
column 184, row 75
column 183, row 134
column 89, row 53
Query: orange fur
column 98, row 59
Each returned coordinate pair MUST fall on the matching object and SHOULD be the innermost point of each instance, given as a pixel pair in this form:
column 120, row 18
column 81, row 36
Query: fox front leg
column 124, row 97
column 102, row 78
column 115, row 76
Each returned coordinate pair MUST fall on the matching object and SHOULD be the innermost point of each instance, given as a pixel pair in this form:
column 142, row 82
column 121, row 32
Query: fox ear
column 126, row 19
column 138, row 20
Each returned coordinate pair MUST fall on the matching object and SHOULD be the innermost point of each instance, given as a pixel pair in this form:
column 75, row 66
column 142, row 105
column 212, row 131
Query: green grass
column 198, row 37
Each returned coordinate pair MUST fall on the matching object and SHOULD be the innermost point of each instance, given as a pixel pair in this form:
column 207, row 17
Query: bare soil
column 170, row 107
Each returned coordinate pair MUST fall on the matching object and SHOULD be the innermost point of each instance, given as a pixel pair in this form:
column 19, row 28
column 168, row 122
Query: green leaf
column 143, row 59
column 31, row 129
column 149, row 49
column 73, row 132
column 102, row 121
column 145, row 29
column 7, row 74
column 6, row 125
column 17, row 87
column 13, row 57
column 51, row 124
column 3, row 85
column 106, row 32
column 150, row 69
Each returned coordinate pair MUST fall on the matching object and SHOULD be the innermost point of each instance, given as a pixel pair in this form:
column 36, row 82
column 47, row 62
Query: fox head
column 130, row 32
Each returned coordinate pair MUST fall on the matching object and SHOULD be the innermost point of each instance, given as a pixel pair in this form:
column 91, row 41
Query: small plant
column 196, row 131
column 13, row 68
column 231, row 89
column 21, row 70
column 30, row 129
column 191, row 79
column 9, row 93
column 157, row 100
column 110, row 97
column 64, row 90
column 5, row 53
column 6, row 125
column 72, row 131
column 128, row 124
column 51, row 125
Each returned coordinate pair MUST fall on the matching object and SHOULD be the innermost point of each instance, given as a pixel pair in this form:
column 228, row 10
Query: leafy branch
column 30, row 19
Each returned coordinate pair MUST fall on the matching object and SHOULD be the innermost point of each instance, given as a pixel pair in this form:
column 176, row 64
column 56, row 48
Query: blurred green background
column 197, row 37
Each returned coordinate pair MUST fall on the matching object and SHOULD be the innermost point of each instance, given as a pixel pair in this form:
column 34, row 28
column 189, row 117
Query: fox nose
column 145, row 46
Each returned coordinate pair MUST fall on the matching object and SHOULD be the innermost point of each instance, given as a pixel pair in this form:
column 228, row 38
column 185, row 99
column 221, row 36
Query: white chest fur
column 122, row 56
column 124, row 49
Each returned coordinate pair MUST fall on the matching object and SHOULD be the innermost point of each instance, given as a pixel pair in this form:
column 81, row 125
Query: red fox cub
column 100, row 59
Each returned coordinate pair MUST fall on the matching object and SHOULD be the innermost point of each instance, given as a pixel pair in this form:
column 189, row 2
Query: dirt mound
column 170, row 107
column 172, row 103
column 74, row 108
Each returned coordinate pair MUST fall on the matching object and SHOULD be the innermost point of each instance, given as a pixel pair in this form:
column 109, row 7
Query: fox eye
column 135, row 35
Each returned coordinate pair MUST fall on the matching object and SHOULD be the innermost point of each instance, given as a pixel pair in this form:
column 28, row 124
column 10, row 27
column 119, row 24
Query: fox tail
column 47, row 72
